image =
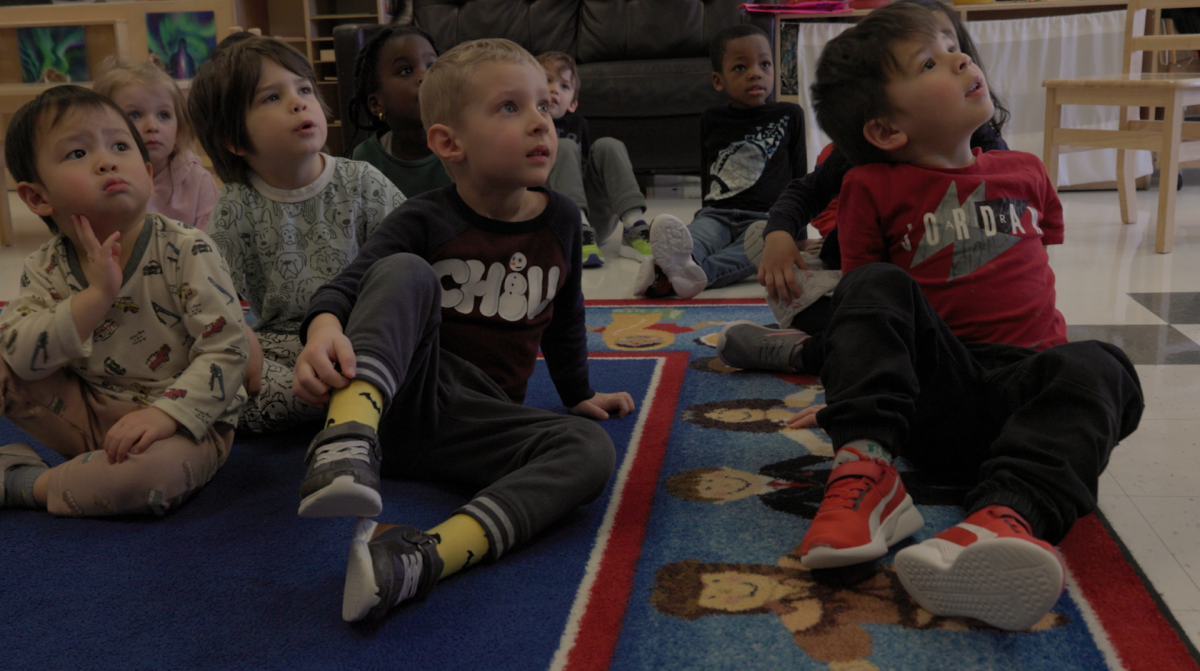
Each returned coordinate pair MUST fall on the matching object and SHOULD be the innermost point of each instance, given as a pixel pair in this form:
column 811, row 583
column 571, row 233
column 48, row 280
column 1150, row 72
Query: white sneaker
column 671, row 245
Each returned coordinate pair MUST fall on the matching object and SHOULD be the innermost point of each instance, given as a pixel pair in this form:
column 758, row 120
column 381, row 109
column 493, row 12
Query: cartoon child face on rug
column 825, row 622
column 765, row 415
column 647, row 329
column 793, row 486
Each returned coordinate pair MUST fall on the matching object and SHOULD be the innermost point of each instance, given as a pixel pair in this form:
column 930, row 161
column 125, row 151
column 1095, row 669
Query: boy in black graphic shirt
column 751, row 149
column 461, row 278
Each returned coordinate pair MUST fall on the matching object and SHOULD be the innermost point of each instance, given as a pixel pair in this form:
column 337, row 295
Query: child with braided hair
column 386, row 78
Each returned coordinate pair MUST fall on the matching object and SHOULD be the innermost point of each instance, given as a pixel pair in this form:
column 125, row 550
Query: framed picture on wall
column 52, row 54
column 181, row 40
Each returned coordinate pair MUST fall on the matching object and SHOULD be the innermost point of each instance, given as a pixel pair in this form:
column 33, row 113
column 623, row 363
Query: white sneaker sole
column 342, row 498
column 361, row 593
column 1008, row 583
column 904, row 521
column 671, row 244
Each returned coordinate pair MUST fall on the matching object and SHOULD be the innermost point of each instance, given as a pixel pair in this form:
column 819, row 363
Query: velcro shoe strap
column 352, row 430
column 872, row 469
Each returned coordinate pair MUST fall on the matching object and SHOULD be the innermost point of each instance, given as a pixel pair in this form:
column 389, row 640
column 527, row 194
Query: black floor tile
column 1145, row 344
column 1179, row 307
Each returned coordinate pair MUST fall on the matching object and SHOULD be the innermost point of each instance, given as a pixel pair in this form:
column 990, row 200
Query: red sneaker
column 989, row 567
column 865, row 510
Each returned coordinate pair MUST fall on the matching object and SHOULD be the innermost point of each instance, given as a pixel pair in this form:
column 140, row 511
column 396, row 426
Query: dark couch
column 644, row 65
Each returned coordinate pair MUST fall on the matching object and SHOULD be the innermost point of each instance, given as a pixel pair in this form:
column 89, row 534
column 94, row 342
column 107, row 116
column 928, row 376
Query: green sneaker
column 635, row 243
column 591, row 251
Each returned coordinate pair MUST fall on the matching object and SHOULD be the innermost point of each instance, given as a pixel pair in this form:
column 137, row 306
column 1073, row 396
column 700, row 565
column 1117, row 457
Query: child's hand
column 600, row 405
column 805, row 418
column 101, row 262
column 317, row 366
column 134, row 432
column 775, row 273
column 255, row 365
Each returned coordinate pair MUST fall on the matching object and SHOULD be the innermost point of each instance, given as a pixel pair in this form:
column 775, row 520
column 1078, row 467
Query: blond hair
column 116, row 74
column 448, row 84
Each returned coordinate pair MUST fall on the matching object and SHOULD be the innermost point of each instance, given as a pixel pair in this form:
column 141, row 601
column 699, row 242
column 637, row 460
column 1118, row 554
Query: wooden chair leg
column 1050, row 151
column 1168, row 174
column 1126, row 186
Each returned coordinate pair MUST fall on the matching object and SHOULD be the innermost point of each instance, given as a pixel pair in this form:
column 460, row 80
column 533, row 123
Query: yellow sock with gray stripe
column 358, row 401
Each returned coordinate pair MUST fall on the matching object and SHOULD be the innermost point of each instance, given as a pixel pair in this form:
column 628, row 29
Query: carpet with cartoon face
column 686, row 562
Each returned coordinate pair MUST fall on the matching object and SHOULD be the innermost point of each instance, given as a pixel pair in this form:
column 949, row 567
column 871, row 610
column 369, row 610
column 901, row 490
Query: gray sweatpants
column 445, row 420
column 603, row 187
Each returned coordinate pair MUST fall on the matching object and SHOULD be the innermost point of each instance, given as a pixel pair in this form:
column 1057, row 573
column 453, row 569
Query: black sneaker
column 343, row 473
column 401, row 564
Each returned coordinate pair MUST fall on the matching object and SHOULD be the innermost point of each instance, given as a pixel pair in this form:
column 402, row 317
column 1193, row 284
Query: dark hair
column 21, row 141
column 223, row 91
column 366, row 74
column 716, row 48
column 967, row 46
column 852, row 76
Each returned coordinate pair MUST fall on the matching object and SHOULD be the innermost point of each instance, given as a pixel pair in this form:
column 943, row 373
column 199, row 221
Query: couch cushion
column 537, row 25
column 652, row 88
column 644, row 29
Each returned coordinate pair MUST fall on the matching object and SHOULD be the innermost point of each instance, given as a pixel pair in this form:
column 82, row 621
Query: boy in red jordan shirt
column 944, row 345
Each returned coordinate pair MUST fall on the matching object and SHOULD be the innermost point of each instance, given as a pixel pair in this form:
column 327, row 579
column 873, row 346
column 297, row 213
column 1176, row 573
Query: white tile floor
column 1151, row 491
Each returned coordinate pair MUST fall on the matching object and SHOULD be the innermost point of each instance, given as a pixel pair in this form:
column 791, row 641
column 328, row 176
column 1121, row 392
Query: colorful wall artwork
column 52, row 54
column 181, row 40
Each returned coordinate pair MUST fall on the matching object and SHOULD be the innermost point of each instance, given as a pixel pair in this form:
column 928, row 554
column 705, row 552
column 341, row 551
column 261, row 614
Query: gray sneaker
column 401, row 564
column 11, row 456
column 343, row 473
column 746, row 345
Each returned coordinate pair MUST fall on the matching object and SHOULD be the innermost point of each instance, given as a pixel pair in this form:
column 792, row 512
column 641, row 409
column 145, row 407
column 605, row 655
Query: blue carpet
column 235, row 580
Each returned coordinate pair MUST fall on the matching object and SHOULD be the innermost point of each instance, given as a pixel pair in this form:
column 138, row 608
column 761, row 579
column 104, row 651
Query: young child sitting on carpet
column 125, row 338
column 944, row 345
column 389, row 344
column 596, row 177
column 750, row 150
column 289, row 217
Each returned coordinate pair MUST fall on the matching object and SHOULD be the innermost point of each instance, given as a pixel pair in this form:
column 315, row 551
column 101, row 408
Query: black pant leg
column 531, row 466
column 885, row 348
column 1066, row 409
column 394, row 330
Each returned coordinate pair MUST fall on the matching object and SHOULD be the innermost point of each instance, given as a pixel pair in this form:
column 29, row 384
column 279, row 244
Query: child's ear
column 235, row 151
column 718, row 81
column 373, row 105
column 884, row 135
column 150, row 170
column 574, row 105
column 443, row 142
column 34, row 197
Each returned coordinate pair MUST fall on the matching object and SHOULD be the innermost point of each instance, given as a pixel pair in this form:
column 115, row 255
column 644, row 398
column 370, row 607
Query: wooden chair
column 1133, row 89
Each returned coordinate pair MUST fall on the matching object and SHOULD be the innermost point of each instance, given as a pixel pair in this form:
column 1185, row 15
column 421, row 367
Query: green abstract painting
column 52, row 54
column 181, row 40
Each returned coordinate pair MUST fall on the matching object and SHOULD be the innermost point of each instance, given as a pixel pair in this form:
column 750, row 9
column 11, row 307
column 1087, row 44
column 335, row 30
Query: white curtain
column 1019, row 54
